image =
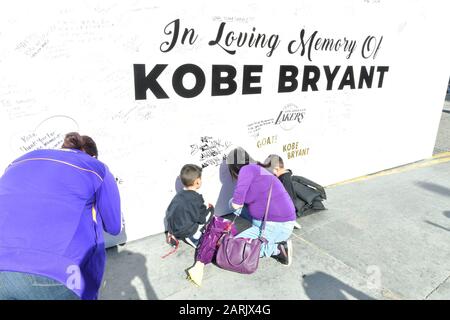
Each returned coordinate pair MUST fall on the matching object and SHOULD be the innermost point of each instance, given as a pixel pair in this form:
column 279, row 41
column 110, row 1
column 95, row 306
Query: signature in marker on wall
column 210, row 151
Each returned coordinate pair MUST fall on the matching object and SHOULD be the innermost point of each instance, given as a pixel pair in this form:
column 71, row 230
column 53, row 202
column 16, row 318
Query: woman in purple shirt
column 251, row 194
column 54, row 206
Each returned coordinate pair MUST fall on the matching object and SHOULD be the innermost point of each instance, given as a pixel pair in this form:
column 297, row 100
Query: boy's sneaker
column 171, row 240
column 285, row 255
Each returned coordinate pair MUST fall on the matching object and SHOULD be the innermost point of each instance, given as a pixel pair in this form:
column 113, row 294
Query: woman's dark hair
column 73, row 140
column 89, row 146
column 236, row 159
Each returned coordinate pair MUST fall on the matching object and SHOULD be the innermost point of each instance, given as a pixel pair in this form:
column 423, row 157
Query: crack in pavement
column 437, row 288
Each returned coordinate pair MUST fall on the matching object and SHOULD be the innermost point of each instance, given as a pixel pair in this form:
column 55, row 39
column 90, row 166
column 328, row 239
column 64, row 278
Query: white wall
column 69, row 66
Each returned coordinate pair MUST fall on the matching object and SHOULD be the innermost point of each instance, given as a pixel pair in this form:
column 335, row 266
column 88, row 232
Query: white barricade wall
column 339, row 89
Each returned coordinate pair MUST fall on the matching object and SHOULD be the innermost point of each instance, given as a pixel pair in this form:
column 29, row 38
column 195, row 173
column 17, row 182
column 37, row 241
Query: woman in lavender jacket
column 54, row 206
column 250, row 200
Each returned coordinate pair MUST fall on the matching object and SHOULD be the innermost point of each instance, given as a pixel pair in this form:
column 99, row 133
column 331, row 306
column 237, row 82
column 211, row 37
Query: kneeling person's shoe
column 285, row 255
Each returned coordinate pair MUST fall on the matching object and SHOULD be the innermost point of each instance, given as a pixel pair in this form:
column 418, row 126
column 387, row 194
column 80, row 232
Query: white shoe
column 297, row 225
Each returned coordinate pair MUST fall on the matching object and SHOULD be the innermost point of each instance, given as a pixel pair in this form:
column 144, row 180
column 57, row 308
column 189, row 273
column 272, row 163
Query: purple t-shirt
column 252, row 189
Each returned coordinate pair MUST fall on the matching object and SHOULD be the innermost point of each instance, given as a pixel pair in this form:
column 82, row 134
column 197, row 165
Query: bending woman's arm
column 108, row 204
column 244, row 181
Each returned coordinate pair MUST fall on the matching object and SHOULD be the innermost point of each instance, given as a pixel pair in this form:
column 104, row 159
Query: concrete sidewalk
column 386, row 236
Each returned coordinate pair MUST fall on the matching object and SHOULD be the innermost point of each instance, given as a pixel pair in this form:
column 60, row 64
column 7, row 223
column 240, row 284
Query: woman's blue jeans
column 274, row 233
column 25, row 286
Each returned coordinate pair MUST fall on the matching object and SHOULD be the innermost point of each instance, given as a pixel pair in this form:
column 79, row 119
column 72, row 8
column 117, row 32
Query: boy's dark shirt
column 185, row 213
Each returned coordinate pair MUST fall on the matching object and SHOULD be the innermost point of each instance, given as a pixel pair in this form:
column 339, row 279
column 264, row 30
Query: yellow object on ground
column 195, row 273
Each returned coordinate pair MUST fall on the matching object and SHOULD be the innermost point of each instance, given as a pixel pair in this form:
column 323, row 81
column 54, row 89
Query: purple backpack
column 207, row 248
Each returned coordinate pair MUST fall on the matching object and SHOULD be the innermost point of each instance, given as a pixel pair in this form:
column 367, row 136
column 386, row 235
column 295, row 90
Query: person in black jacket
column 187, row 214
column 305, row 194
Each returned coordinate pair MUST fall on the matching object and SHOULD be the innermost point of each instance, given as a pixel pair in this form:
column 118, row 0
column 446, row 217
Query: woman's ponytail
column 73, row 140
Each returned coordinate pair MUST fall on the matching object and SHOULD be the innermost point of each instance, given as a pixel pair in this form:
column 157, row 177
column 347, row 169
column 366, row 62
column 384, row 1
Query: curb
column 435, row 159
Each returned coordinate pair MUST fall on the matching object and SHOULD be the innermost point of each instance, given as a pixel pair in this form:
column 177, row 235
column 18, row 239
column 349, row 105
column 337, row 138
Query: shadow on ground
column 438, row 189
column 433, row 187
column 126, row 277
column 322, row 286
column 446, row 214
column 437, row 225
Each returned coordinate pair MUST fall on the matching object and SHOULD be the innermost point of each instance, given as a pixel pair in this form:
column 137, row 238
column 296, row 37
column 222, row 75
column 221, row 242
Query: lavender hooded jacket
column 54, row 206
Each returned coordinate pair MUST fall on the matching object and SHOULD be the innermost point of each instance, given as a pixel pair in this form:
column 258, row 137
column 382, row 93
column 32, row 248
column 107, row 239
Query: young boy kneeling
column 187, row 214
